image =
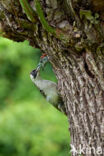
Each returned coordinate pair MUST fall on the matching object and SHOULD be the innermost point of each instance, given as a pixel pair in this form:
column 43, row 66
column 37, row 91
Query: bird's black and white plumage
column 48, row 90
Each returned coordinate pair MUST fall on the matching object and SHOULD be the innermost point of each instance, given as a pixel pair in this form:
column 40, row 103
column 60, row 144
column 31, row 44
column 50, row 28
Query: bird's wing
column 61, row 105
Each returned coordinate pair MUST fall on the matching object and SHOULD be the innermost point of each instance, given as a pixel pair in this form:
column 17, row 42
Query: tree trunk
column 71, row 32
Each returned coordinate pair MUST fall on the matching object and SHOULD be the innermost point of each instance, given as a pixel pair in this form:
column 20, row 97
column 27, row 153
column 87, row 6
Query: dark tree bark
column 71, row 32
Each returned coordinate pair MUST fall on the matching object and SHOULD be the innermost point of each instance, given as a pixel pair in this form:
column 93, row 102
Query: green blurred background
column 29, row 126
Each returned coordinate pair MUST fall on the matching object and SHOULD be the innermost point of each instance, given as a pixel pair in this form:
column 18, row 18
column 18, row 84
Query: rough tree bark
column 71, row 32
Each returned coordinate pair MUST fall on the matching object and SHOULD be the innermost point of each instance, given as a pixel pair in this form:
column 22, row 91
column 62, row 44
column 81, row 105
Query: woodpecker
column 47, row 88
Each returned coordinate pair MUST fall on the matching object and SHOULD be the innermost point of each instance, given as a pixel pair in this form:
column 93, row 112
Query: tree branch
column 28, row 10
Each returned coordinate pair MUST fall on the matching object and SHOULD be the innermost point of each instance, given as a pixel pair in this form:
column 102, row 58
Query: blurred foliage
column 29, row 126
